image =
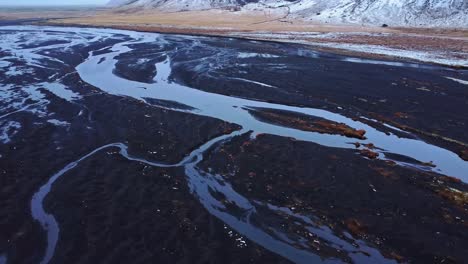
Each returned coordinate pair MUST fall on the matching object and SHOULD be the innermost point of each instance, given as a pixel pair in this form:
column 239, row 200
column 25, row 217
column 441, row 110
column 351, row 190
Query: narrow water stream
column 98, row 70
column 202, row 185
column 48, row 221
column 232, row 109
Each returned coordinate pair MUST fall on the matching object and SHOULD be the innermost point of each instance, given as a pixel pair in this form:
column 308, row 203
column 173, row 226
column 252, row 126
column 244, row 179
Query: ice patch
column 58, row 122
column 380, row 62
column 8, row 130
column 142, row 61
column 33, row 92
column 431, row 57
column 22, row 98
column 246, row 55
column 308, row 38
column 61, row 91
column 16, row 71
column 30, row 98
column 254, row 82
column 4, row 64
column 30, row 48
column 458, row 80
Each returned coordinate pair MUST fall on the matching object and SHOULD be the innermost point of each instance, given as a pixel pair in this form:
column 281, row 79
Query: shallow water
column 231, row 109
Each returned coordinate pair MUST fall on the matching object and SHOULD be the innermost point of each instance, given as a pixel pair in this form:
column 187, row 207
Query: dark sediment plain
column 126, row 147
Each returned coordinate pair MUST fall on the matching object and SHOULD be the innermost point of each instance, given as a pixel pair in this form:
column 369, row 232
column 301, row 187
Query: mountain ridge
column 416, row 13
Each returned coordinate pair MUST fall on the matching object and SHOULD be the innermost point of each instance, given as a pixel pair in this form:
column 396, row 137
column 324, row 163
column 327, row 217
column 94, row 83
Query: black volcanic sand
column 418, row 98
column 40, row 149
column 107, row 207
column 410, row 215
column 44, row 149
column 112, row 210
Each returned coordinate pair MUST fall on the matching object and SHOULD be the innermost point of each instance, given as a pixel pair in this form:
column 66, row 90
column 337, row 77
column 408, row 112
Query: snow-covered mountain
column 448, row 13
column 180, row 4
column 438, row 13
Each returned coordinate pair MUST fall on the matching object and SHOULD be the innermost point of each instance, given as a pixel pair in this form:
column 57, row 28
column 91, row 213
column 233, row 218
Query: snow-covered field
column 335, row 41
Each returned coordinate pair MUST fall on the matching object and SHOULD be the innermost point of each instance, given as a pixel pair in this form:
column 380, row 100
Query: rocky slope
column 426, row 13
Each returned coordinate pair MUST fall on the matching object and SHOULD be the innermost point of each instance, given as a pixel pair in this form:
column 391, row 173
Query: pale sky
column 52, row 2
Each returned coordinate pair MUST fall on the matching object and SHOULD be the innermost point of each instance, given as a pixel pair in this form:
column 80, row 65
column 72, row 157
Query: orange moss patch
column 355, row 227
column 340, row 128
column 320, row 126
column 369, row 154
column 228, row 128
column 369, row 146
column 458, row 197
column 385, row 172
column 401, row 115
column 246, row 143
column 397, row 257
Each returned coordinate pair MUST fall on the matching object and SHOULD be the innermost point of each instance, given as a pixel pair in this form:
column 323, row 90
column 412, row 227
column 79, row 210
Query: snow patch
column 254, row 82
column 7, row 131
column 17, row 71
column 4, row 64
column 380, row 62
column 458, row 80
column 246, row 55
column 431, row 57
column 142, row 61
column 61, row 91
column 58, row 122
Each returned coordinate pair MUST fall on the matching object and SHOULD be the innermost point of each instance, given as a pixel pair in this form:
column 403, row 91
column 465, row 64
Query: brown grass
column 213, row 20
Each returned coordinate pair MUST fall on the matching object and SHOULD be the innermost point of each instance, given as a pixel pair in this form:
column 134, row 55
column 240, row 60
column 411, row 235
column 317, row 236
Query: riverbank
column 439, row 46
